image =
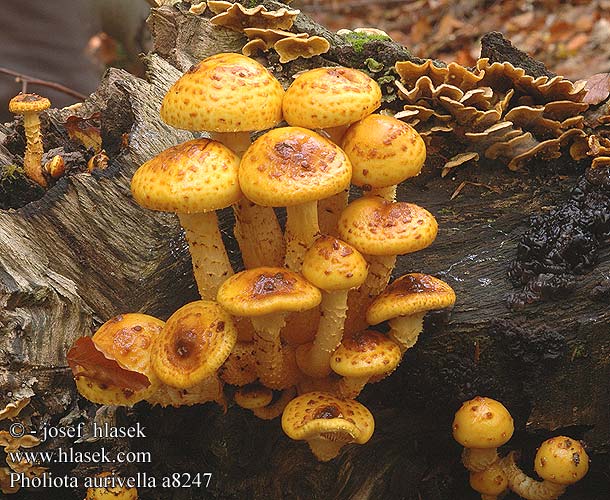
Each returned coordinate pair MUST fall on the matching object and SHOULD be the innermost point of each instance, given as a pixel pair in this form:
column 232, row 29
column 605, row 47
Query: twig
column 25, row 80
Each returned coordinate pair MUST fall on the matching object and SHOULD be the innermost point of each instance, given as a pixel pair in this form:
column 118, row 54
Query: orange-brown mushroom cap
column 28, row 103
column 193, row 177
column 289, row 166
column 410, row 294
column 482, row 423
column 561, row 460
column 267, row 290
column 378, row 227
column 330, row 97
column 224, row 93
column 196, row 341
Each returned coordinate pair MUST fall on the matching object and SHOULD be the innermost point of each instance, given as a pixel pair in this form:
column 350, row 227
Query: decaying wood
column 86, row 252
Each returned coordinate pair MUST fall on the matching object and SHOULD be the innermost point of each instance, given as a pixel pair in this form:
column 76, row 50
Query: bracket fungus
column 405, row 302
column 327, row 423
column 291, row 48
column 560, row 462
column 267, row 295
column 237, row 17
column 481, row 425
column 30, row 106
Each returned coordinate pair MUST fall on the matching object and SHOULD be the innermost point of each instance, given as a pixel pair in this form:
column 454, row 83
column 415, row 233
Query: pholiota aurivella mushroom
column 107, row 486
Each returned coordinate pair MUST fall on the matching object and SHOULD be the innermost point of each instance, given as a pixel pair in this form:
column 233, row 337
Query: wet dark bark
column 86, row 251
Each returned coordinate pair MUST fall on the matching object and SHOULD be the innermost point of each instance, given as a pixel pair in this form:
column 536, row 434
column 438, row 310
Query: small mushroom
column 405, row 302
column 30, row 106
column 276, row 407
column 253, row 396
column 327, row 423
column 481, row 425
column 55, row 167
column 560, row 462
column 491, row 483
column 291, row 48
column 266, row 295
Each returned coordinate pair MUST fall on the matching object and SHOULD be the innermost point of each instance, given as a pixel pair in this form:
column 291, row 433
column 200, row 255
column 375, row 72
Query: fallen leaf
column 598, row 88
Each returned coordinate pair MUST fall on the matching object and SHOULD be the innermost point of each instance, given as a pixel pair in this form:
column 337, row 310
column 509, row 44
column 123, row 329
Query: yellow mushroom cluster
column 291, row 334
column 482, row 425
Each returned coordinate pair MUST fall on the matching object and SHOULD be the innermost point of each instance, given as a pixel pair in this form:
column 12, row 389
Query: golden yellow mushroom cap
column 253, row 396
column 110, row 490
column 267, row 290
column 410, row 294
column 292, row 165
column 193, row 177
column 561, row 460
column 196, row 341
column 330, row 97
column 332, row 264
column 224, row 93
column 378, row 227
column 28, row 103
column 491, row 481
column 365, row 354
column 384, row 151
column 482, row 423
column 319, row 414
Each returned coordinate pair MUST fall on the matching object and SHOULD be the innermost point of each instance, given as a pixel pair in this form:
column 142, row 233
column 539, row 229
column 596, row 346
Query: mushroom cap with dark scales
column 332, row 264
column 196, row 341
column 196, row 176
column 365, row 354
column 561, row 460
column 384, row 151
column 410, row 294
column 289, row 166
column 28, row 103
column 267, row 290
column 482, row 423
column 330, row 97
column 224, row 93
column 127, row 339
column 378, row 227
column 319, row 414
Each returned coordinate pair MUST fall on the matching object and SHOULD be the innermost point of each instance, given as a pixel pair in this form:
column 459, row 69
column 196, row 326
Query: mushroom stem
column 271, row 359
column 32, row 160
column 237, row 142
column 301, row 231
column 479, row 459
column 316, row 362
column 525, row 486
column 323, row 449
column 211, row 265
column 276, row 408
column 258, row 234
column 329, row 210
column 380, row 270
column 387, row 193
column 405, row 330
column 351, row 387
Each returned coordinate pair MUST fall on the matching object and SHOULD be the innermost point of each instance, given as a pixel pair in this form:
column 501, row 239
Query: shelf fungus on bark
column 237, row 17
column 193, row 180
column 294, row 167
column 405, row 302
column 560, row 462
column 481, row 425
column 266, row 295
column 261, row 39
column 113, row 366
column 335, row 267
column 327, row 423
column 230, row 95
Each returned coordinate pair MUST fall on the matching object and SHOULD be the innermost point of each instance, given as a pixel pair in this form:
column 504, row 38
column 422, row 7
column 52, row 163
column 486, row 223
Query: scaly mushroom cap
column 410, row 294
column 491, row 481
column 196, row 341
column 224, row 93
column 365, row 354
column 379, row 227
column 561, row 460
column 193, row 177
column 267, row 290
column 330, row 97
column 319, row 414
column 482, row 423
column 253, row 396
column 28, row 103
column 384, row 151
column 291, row 165
column 111, row 492
column 332, row 264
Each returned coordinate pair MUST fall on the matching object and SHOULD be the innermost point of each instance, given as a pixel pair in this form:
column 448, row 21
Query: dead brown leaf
column 598, row 88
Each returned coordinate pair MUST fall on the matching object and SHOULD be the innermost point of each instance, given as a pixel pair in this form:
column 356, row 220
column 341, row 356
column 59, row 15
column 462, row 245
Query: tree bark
column 86, row 252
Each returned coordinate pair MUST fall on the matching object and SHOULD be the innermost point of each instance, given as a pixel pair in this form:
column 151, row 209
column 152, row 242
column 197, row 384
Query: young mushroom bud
column 253, row 396
column 560, row 462
column 481, row 425
column 335, row 267
column 405, row 302
column 327, row 423
column 30, row 106
column 491, row 483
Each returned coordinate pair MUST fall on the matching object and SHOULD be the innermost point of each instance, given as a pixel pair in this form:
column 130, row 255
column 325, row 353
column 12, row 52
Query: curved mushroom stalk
column 387, row 193
column 527, row 487
column 329, row 211
column 276, row 408
column 302, row 229
column 351, row 387
column 479, row 459
column 211, row 265
column 405, row 330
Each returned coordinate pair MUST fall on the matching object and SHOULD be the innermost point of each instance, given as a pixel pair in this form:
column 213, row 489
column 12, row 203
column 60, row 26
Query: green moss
column 359, row 40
